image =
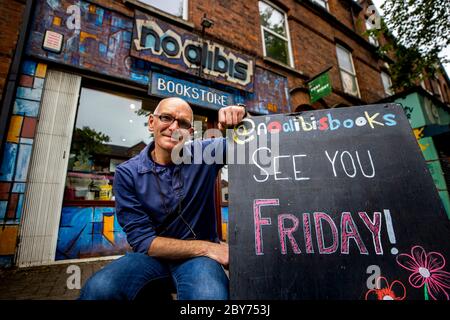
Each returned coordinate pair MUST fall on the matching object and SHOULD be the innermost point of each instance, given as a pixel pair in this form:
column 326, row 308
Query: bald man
column 168, row 214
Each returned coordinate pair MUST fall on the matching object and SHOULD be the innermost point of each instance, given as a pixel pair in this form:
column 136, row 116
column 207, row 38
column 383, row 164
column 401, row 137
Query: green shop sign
column 320, row 87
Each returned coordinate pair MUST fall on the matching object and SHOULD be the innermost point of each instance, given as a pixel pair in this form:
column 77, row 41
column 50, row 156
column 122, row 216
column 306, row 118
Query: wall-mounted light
column 206, row 23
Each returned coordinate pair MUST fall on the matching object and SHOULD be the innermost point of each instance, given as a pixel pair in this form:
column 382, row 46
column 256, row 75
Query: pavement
column 50, row 282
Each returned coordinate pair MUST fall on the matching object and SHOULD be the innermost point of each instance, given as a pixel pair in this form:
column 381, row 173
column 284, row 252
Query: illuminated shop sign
column 166, row 86
column 162, row 43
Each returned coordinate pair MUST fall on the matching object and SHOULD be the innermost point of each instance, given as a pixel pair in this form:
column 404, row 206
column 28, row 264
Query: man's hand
column 218, row 252
column 230, row 116
column 174, row 249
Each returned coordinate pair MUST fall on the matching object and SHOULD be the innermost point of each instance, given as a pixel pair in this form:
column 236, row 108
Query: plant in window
column 87, row 142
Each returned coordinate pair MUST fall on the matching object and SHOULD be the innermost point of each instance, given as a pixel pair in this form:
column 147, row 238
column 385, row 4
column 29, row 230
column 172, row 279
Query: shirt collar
column 146, row 163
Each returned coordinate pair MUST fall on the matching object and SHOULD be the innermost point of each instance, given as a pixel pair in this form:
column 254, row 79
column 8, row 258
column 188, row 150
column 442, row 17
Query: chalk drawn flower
column 385, row 291
column 427, row 272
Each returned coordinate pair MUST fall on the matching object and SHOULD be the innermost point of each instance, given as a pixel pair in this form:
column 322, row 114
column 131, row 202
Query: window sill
column 89, row 203
column 350, row 97
column 160, row 14
column 284, row 66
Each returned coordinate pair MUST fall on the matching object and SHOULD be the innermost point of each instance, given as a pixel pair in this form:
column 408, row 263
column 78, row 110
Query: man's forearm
column 168, row 248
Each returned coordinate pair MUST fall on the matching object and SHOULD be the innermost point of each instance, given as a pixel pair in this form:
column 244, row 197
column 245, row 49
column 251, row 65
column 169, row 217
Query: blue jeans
column 199, row 278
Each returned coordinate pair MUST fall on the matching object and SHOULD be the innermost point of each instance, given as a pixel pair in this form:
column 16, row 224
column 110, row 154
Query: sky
column 445, row 52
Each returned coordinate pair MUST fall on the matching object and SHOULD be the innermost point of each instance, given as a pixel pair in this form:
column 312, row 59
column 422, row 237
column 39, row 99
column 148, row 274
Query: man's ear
column 151, row 120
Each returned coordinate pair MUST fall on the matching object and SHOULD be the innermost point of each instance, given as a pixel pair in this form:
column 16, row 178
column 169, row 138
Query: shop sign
column 320, row 87
column 159, row 42
column 166, row 86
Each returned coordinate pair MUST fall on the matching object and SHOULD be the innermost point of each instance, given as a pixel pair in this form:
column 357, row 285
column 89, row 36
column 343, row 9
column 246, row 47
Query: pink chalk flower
column 427, row 272
column 385, row 291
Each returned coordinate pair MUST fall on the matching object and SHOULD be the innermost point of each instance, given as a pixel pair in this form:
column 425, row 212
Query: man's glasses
column 168, row 119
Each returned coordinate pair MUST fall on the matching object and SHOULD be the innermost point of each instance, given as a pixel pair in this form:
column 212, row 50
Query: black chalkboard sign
column 334, row 204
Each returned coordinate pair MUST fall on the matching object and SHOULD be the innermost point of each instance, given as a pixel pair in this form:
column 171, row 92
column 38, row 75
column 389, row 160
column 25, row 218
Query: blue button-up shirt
column 140, row 204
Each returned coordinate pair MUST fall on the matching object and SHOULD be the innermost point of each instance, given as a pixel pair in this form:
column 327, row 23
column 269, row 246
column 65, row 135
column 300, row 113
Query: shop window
column 109, row 129
column 177, row 8
column 347, row 71
column 387, row 84
column 275, row 33
column 322, row 3
column 200, row 126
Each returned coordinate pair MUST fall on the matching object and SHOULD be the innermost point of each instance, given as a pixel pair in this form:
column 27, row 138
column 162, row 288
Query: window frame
column 388, row 91
column 352, row 72
column 287, row 38
column 185, row 16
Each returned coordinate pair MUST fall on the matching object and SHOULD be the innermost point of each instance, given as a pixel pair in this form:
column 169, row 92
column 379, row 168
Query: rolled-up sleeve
column 134, row 221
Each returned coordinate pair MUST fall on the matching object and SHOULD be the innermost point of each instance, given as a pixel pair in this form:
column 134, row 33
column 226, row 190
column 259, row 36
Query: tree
column 420, row 30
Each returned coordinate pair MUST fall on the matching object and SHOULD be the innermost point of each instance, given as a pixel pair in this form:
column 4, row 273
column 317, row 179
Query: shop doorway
column 43, row 196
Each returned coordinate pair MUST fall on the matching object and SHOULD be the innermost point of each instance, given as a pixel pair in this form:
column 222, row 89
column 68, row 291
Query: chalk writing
column 365, row 168
column 329, row 235
column 247, row 129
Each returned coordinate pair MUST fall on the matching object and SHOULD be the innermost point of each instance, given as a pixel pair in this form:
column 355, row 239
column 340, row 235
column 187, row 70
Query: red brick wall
column 11, row 12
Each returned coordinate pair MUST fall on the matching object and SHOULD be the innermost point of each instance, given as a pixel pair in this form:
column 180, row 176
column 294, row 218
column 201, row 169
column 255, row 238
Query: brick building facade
column 12, row 14
column 261, row 53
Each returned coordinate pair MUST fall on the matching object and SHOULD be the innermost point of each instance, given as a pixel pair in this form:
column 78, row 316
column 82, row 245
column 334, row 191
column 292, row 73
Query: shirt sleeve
column 130, row 213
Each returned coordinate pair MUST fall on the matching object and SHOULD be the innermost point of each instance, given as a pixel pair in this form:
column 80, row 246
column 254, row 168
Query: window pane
column 387, row 83
column 276, row 48
column 174, row 7
column 344, row 59
column 109, row 130
column 272, row 19
column 349, row 83
column 200, row 126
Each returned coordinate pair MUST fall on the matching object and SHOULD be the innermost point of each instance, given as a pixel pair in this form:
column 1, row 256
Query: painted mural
column 16, row 156
column 89, row 232
column 103, row 44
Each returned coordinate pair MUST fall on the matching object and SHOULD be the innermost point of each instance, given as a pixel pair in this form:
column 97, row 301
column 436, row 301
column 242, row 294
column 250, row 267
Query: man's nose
column 174, row 125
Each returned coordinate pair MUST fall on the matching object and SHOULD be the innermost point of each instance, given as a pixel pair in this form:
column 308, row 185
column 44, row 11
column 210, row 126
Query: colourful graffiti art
column 99, row 40
column 89, row 232
column 103, row 43
column 271, row 93
column 16, row 156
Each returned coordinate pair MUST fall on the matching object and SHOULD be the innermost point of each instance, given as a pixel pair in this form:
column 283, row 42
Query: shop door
column 46, row 177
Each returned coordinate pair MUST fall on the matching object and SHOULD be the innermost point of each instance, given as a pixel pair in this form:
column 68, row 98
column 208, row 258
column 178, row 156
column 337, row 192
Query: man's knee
column 213, row 289
column 206, row 280
column 100, row 286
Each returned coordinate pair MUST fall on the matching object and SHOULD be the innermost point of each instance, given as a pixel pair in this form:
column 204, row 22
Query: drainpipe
column 12, row 78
